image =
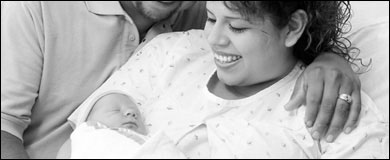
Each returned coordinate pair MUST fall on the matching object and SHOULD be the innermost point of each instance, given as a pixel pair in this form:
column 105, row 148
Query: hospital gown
column 169, row 77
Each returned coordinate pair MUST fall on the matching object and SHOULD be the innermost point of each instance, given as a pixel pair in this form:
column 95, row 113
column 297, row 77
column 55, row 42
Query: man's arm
column 367, row 141
column 319, row 87
column 12, row 147
column 21, row 69
column 65, row 150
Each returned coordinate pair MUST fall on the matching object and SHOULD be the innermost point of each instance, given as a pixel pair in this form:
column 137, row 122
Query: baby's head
column 259, row 41
column 117, row 111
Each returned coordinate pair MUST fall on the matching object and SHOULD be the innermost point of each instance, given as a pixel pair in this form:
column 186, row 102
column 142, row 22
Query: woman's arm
column 318, row 88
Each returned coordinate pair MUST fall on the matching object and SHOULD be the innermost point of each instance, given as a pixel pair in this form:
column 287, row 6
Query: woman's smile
column 225, row 60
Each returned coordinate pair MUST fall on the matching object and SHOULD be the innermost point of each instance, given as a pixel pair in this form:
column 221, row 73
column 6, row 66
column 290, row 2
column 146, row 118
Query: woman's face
column 245, row 53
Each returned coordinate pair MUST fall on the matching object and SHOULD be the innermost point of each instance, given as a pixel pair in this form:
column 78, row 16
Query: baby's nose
column 130, row 113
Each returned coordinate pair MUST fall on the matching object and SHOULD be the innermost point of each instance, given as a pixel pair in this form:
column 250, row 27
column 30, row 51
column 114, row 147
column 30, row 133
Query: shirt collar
column 105, row 7
column 114, row 8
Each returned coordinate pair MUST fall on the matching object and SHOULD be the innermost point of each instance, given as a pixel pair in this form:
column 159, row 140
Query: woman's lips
column 227, row 58
column 223, row 57
column 167, row 3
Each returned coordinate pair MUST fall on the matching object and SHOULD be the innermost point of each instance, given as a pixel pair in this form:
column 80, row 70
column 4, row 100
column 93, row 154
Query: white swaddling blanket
column 97, row 141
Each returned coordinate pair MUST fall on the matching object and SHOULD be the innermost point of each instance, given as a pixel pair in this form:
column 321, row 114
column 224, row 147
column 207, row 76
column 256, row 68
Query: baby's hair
column 324, row 31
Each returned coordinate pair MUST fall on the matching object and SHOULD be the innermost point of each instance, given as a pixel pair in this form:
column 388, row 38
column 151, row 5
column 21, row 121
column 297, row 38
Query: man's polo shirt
column 55, row 54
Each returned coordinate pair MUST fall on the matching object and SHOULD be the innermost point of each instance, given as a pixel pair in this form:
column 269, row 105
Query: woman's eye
column 237, row 30
column 211, row 20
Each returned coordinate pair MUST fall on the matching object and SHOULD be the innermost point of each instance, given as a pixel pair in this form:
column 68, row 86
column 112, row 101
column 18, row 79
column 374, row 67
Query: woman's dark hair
column 323, row 32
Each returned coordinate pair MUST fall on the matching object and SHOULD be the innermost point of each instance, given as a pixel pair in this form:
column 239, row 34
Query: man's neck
column 142, row 23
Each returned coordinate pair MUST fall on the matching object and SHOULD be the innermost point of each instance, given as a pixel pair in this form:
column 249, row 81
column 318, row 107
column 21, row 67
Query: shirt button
column 132, row 37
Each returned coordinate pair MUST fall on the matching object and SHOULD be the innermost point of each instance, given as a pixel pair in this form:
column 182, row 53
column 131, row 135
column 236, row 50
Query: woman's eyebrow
column 226, row 17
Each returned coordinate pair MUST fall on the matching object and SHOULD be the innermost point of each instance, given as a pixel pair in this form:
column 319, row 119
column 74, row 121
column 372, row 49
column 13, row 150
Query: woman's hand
column 319, row 88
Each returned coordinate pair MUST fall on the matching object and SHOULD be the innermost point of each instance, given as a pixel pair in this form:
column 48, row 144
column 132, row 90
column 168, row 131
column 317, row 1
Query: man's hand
column 12, row 147
column 319, row 87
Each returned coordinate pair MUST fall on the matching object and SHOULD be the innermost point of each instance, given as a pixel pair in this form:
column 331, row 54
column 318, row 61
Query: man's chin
column 161, row 10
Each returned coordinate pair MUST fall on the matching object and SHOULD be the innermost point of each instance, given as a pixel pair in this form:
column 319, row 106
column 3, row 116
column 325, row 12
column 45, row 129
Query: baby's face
column 117, row 111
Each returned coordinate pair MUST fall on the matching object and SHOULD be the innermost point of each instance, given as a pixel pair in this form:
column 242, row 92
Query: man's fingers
column 340, row 115
column 338, row 121
column 313, row 100
column 354, row 112
column 298, row 96
column 327, row 107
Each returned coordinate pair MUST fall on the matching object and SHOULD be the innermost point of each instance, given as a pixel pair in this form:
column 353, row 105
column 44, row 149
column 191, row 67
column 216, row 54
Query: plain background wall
column 370, row 33
column 368, row 12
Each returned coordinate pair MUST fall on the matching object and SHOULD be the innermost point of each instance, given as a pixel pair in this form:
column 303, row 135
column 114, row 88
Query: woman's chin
column 229, row 81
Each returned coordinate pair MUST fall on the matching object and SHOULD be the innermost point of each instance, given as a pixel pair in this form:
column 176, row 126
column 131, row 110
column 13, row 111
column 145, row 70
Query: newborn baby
column 117, row 111
column 114, row 128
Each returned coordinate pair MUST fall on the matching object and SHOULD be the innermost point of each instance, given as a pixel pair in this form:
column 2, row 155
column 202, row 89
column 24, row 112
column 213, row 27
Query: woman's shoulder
column 193, row 33
column 190, row 40
column 179, row 48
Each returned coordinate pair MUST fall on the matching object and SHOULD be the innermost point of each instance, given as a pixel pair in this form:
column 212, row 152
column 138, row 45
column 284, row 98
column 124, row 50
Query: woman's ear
column 296, row 26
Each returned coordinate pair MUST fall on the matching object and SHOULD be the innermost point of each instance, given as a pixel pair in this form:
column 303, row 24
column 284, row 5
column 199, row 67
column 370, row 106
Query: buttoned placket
column 130, row 39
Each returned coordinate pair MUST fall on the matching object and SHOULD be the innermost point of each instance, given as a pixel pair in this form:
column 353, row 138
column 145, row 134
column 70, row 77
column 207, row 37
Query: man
column 55, row 54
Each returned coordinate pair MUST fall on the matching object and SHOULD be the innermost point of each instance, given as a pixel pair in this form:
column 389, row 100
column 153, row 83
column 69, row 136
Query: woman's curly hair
column 324, row 31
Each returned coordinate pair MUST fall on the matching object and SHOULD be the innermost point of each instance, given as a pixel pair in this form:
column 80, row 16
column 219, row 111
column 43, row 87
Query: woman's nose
column 216, row 37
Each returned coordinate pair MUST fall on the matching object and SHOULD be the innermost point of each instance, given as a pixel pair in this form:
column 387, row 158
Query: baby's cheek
column 115, row 121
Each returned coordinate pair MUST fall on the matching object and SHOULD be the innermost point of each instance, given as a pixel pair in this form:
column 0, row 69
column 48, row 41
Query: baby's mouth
column 130, row 125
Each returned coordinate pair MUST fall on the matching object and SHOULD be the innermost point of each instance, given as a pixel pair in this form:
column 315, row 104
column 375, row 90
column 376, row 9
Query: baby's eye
column 116, row 111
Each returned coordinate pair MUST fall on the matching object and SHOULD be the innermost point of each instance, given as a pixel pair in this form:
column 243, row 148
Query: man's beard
column 147, row 13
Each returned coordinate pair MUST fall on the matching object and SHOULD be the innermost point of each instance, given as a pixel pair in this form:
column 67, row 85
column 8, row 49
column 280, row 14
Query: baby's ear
column 296, row 26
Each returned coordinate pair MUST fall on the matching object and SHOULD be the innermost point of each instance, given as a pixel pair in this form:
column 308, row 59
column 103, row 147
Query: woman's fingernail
column 348, row 130
column 329, row 138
